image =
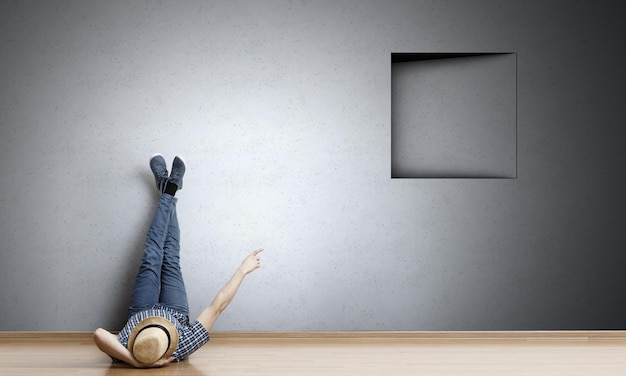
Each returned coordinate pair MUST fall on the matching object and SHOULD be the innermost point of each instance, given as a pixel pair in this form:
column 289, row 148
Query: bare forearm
column 108, row 343
column 227, row 293
column 221, row 301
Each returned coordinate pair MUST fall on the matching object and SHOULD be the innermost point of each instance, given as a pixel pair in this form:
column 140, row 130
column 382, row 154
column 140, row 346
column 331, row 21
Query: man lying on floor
column 158, row 330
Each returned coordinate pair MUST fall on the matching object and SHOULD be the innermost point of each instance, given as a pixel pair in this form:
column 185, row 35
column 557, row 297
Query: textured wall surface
column 282, row 111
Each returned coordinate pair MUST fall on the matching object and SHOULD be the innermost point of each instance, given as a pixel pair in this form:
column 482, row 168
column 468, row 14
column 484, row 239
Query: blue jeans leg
column 173, row 293
column 147, row 288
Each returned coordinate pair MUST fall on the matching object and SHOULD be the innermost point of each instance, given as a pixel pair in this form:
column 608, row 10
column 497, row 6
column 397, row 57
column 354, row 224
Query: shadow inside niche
column 454, row 115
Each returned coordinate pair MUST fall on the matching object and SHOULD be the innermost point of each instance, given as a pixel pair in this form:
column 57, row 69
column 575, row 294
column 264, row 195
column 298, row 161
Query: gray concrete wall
column 282, row 111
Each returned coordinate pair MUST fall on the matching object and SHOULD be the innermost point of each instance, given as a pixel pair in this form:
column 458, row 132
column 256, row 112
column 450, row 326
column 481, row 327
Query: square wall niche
column 454, row 115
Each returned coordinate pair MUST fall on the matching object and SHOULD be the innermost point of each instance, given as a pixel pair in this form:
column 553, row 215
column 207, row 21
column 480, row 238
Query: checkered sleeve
column 190, row 339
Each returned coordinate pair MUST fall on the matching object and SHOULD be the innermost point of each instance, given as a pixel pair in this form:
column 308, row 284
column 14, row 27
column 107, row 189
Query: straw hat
column 152, row 339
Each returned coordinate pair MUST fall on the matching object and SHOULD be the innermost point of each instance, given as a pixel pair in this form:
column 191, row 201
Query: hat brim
column 156, row 321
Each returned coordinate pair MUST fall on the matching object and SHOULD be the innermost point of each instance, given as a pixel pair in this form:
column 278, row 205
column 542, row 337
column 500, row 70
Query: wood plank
column 337, row 353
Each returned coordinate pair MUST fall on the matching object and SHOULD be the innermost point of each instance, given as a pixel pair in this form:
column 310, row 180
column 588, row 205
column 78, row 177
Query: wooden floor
column 301, row 354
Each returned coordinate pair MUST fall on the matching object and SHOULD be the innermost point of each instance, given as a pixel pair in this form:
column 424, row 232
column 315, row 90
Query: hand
column 157, row 364
column 252, row 262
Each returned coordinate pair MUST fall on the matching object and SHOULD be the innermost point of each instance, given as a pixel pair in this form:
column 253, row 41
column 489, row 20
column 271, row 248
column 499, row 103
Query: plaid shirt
column 190, row 336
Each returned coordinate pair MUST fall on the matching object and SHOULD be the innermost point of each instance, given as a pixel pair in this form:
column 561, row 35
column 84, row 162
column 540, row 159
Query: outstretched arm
column 227, row 293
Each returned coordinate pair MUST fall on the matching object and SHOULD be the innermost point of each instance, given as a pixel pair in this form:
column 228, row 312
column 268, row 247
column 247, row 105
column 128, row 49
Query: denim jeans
column 160, row 280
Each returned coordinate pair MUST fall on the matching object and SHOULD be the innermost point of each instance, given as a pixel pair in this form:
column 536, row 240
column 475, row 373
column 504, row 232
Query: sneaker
column 178, row 170
column 159, row 169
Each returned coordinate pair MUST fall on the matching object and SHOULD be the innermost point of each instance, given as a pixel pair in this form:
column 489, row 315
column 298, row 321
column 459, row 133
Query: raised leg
column 147, row 289
column 173, row 293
